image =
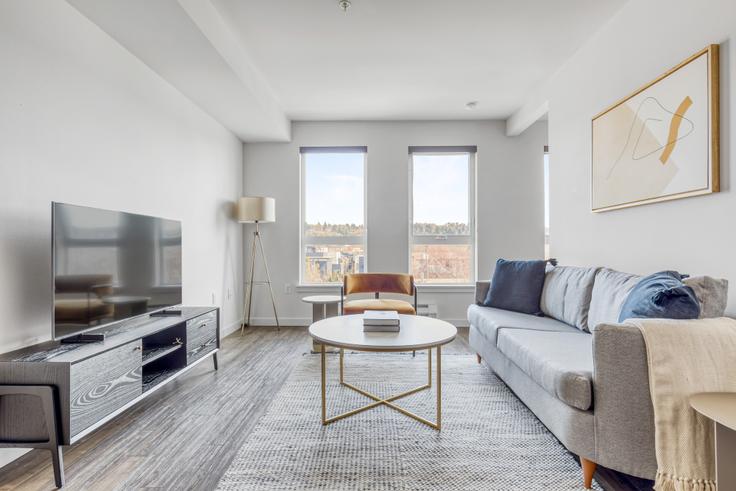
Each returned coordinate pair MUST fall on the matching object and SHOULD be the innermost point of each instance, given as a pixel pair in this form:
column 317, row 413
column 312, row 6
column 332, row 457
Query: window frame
column 469, row 239
column 344, row 240
column 545, row 177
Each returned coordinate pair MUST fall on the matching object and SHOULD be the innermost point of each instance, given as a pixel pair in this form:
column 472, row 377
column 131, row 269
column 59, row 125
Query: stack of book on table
column 380, row 321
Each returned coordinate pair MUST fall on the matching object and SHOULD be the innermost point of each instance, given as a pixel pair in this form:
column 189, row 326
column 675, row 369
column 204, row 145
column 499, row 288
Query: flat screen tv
column 109, row 266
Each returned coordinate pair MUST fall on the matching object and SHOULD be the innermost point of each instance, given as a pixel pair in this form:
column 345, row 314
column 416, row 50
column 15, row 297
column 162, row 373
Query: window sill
column 451, row 288
column 318, row 287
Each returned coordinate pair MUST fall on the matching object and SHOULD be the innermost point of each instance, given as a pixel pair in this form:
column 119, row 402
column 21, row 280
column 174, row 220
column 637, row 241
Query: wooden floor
column 185, row 435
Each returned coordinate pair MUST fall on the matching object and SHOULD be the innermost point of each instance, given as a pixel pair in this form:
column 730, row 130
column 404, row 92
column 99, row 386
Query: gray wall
column 693, row 235
column 509, row 188
column 83, row 121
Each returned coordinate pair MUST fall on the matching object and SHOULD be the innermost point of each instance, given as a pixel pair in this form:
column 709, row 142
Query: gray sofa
column 583, row 374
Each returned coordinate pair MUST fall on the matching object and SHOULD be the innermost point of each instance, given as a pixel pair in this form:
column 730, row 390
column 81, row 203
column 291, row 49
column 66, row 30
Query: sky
column 334, row 188
column 441, row 188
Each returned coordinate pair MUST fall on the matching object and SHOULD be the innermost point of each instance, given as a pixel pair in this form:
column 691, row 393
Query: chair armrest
column 622, row 405
column 481, row 291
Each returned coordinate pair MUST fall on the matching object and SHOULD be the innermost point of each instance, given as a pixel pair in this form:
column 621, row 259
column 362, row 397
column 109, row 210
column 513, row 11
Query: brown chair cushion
column 360, row 306
column 379, row 282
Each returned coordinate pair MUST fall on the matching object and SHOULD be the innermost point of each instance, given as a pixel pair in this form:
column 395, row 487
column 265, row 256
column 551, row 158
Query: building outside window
column 333, row 232
column 442, row 215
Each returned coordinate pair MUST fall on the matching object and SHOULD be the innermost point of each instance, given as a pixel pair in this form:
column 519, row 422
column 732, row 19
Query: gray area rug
column 489, row 439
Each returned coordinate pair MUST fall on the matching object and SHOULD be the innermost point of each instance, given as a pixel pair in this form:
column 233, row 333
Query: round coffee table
column 416, row 333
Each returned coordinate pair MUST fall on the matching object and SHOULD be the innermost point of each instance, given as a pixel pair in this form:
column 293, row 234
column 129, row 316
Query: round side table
column 323, row 306
column 721, row 409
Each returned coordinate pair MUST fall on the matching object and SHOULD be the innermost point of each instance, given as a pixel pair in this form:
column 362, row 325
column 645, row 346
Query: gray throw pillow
column 712, row 294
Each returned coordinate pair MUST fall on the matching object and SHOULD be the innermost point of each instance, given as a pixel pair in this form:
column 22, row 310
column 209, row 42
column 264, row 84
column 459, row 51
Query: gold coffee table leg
column 387, row 401
column 429, row 367
column 439, row 387
column 324, row 389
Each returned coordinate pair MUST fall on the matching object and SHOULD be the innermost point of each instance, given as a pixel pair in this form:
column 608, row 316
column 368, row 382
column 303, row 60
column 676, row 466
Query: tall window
column 546, row 202
column 442, row 235
column 333, row 238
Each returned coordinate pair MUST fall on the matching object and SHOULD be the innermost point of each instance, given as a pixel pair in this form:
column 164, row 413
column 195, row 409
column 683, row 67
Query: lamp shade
column 252, row 209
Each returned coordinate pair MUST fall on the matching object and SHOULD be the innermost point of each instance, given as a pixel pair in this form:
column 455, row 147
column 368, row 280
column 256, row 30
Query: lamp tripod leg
column 248, row 297
column 268, row 280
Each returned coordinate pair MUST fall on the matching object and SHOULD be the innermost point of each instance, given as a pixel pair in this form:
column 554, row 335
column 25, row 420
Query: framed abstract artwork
column 661, row 142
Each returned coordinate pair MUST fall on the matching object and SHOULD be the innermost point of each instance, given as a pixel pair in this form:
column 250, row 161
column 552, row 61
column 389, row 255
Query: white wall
column 510, row 200
column 692, row 235
column 83, row 121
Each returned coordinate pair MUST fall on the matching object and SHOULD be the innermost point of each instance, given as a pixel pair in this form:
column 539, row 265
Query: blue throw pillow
column 517, row 286
column 661, row 295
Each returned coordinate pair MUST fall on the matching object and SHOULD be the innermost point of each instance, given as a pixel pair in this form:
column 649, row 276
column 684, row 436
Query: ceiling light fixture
column 344, row 4
column 471, row 105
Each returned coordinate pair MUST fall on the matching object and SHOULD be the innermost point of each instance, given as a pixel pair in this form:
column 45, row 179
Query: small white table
column 721, row 408
column 323, row 306
column 416, row 333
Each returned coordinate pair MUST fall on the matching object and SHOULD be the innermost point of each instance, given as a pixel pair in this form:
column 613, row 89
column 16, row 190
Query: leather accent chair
column 377, row 283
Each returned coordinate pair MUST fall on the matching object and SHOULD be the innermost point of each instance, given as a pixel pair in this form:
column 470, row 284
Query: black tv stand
column 84, row 338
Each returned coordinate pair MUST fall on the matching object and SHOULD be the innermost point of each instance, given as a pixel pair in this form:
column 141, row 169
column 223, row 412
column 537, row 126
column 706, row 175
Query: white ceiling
column 256, row 64
column 409, row 59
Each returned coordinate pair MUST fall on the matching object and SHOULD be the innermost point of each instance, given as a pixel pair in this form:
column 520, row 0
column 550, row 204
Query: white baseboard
column 284, row 321
column 227, row 330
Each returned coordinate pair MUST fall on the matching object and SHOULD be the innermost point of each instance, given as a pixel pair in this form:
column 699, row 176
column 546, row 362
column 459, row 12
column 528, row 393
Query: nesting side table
column 323, row 306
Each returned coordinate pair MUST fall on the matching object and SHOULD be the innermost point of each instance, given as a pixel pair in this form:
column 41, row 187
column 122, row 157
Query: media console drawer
column 201, row 335
column 102, row 384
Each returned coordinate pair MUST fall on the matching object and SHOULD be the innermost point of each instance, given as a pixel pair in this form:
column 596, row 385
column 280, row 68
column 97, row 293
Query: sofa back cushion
column 566, row 294
column 610, row 291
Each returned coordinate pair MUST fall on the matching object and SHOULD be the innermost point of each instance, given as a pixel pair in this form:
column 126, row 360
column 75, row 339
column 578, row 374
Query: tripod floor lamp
column 256, row 209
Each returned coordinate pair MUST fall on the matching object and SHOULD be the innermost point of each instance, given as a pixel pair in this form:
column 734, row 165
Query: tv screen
column 109, row 266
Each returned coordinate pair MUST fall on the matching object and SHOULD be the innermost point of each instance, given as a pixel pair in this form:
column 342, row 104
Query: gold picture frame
column 661, row 142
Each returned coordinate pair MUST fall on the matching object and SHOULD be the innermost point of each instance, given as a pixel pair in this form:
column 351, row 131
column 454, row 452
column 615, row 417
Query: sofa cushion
column 566, row 294
column 712, row 294
column 610, row 290
column 560, row 362
column 489, row 320
column 661, row 295
column 517, row 286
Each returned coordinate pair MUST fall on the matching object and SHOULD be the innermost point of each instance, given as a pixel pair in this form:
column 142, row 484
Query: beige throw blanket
column 686, row 357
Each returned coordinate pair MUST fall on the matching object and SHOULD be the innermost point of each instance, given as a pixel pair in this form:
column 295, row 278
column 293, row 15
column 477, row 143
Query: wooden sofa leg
column 478, row 356
column 588, row 471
